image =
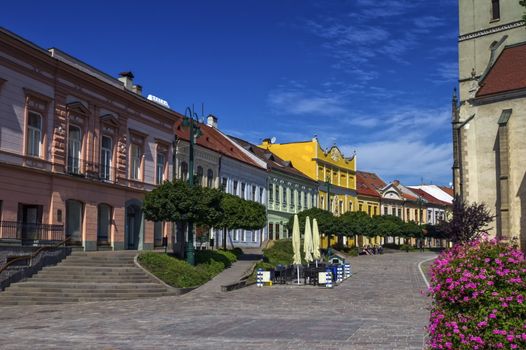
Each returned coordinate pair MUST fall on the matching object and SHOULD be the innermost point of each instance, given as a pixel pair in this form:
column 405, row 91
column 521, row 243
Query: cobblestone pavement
column 380, row 307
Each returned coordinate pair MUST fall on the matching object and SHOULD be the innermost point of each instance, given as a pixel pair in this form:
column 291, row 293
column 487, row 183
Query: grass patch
column 179, row 274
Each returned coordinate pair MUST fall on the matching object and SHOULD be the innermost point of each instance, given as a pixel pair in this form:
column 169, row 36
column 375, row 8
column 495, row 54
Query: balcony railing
column 31, row 232
column 90, row 170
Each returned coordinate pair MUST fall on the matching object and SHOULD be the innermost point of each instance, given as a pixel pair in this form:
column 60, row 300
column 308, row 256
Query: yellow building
column 335, row 174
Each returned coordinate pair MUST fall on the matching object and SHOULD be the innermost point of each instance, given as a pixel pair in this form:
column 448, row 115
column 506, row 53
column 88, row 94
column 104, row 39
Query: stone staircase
column 86, row 276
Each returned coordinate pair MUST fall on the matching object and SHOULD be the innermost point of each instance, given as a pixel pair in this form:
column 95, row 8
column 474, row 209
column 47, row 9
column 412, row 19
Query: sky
column 375, row 80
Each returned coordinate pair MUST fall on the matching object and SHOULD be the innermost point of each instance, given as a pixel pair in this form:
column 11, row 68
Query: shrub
column 180, row 274
column 478, row 290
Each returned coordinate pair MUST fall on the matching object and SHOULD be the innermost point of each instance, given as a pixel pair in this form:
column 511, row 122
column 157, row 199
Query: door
column 31, row 219
column 133, row 227
column 74, row 214
column 103, row 224
column 158, row 234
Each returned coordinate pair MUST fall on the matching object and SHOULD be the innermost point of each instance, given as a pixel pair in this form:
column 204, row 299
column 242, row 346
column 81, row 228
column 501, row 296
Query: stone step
column 92, row 272
column 25, row 300
column 85, row 293
column 98, row 264
column 89, row 285
column 86, row 276
column 100, row 279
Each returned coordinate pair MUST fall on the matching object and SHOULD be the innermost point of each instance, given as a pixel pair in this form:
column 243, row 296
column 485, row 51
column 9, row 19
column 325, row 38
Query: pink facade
column 78, row 149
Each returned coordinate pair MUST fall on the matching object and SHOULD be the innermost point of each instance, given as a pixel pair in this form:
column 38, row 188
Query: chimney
column 211, row 121
column 137, row 89
column 127, row 79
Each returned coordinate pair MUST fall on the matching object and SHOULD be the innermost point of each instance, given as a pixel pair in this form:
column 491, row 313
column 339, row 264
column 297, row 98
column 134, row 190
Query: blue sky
column 373, row 79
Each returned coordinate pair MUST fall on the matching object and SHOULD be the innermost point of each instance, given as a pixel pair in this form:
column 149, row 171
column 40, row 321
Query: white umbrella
column 307, row 241
column 315, row 241
column 296, row 243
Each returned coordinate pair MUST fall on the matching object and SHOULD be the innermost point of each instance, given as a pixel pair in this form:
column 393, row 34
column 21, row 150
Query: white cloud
column 405, row 160
column 301, row 103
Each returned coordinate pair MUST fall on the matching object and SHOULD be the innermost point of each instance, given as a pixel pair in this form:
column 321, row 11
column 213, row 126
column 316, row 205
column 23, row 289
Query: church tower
column 489, row 116
column 485, row 28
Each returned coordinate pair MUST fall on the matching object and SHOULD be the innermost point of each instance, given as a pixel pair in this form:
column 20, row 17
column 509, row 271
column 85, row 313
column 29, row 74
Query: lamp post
column 195, row 132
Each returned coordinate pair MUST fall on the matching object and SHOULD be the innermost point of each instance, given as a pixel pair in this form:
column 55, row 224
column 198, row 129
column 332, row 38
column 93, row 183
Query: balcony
column 30, row 233
column 90, row 170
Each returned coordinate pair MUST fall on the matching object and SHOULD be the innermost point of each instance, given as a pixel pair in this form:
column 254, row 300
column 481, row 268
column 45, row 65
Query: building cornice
column 501, row 28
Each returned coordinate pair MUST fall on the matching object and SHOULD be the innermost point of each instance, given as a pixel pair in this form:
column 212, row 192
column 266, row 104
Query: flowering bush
column 478, row 290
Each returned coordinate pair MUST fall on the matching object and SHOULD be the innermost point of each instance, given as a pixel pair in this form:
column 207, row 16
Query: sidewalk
column 233, row 274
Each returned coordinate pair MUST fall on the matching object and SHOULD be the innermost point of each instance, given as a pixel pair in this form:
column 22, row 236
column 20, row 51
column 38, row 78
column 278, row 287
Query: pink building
column 78, row 150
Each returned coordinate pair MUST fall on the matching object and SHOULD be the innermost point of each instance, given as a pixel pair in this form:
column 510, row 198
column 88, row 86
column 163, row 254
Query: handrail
column 32, row 256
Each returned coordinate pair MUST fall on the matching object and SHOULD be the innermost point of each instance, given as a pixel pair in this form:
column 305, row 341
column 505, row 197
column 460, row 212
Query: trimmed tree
column 357, row 223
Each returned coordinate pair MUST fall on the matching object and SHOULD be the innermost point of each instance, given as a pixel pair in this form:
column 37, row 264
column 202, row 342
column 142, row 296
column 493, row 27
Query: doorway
column 134, row 230
column 74, row 219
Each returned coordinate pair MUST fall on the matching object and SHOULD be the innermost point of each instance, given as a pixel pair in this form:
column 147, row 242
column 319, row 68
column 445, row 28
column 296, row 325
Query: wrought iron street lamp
column 191, row 120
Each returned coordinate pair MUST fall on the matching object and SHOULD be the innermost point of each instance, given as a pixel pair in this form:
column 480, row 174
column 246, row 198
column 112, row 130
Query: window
column 199, row 180
column 495, row 9
column 106, row 151
column 243, row 190
column 261, row 195
column 236, row 235
column 235, row 187
column 243, row 236
column 271, row 193
column 74, row 148
column 254, row 188
column 210, row 178
column 286, row 197
column 350, row 206
column 408, row 213
column 34, row 134
column 184, row 171
column 255, row 236
column 375, row 211
column 360, row 207
column 399, row 213
column 416, row 214
column 159, row 171
column 270, row 231
column 386, row 211
column 135, row 162
column 369, row 210
column 341, row 207
column 224, row 182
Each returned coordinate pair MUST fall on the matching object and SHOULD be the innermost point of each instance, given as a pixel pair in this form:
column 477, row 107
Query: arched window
column 74, row 148
column 199, row 175
column 184, row 171
column 34, row 134
column 103, row 223
column 210, row 178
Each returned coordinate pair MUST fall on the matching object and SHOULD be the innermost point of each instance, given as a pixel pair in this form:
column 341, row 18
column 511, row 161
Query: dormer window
column 495, row 10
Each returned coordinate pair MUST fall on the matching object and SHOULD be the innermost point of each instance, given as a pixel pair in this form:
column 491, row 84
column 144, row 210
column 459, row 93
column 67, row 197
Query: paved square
column 379, row 307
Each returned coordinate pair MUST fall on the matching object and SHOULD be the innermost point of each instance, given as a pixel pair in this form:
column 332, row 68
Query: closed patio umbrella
column 307, row 241
column 315, row 241
column 296, row 245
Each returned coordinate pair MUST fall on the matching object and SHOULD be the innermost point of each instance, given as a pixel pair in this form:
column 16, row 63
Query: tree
column 388, row 225
column 468, row 221
column 236, row 213
column 523, row 3
column 357, row 223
